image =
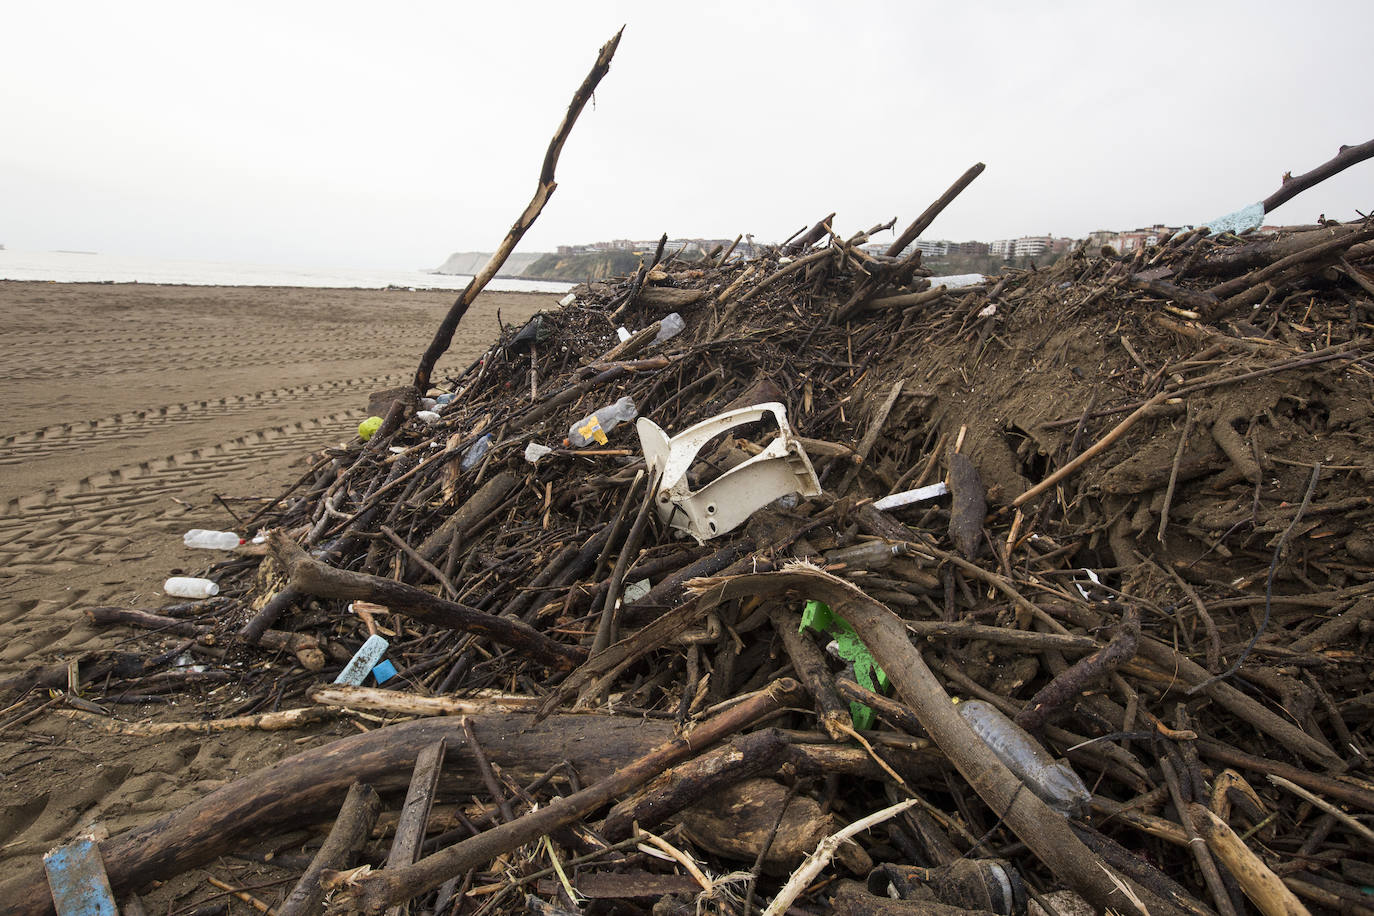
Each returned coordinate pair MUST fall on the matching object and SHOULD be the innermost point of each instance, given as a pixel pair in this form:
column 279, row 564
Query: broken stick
column 444, row 336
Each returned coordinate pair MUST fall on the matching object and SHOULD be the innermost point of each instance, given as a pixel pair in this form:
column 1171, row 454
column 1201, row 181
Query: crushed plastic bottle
column 190, row 587
column 595, row 426
column 443, row 400
column 670, row 327
column 428, row 416
column 534, row 451
column 476, row 452
column 203, row 539
column 1053, row 781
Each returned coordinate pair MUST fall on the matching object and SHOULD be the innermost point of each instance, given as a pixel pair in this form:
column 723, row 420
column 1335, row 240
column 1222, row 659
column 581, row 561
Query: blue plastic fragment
column 362, row 661
column 76, row 877
column 384, row 671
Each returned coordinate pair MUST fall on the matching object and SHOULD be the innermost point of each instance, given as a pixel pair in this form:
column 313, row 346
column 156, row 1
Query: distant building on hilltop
column 689, row 247
column 932, row 248
column 1132, row 240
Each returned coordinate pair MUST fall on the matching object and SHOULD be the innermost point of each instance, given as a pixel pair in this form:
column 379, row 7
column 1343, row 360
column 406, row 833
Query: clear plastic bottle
column 1053, row 781
column 203, row 539
column 595, row 426
column 476, row 452
column 190, row 587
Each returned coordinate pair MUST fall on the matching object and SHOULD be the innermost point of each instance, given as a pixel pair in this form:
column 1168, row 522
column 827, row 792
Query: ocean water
column 81, row 267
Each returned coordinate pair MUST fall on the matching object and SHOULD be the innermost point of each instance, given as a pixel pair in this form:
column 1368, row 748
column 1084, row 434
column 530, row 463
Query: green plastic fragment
column 818, row 616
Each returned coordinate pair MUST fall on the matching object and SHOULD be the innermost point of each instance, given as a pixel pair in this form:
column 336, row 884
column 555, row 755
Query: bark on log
column 809, row 662
column 1294, row 185
column 340, row 850
column 661, row 298
column 312, row 783
column 689, row 783
column 410, row 827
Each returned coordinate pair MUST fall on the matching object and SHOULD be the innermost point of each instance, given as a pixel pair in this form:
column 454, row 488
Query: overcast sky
column 388, row 135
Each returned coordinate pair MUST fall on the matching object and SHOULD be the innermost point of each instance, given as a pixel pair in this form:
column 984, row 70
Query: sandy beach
column 130, row 408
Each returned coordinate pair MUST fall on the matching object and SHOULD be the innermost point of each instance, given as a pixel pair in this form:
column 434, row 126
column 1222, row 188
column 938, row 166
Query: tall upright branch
column 444, row 336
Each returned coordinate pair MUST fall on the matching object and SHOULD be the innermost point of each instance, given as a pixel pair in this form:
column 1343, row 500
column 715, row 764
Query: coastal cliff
column 469, row 262
column 585, row 265
column 537, row 265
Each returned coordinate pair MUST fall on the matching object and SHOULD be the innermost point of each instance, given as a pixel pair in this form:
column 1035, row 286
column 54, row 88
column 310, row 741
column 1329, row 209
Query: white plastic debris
column 567, row 300
column 635, row 590
column 429, row 416
column 534, row 451
column 595, row 426
column 906, row 497
column 1243, row 220
column 1092, row 577
column 670, row 327
column 988, row 310
column 204, row 539
column 623, row 333
column 720, row 506
column 958, row 281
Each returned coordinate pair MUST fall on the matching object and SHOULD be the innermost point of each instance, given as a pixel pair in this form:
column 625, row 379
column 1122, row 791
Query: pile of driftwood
column 1153, row 555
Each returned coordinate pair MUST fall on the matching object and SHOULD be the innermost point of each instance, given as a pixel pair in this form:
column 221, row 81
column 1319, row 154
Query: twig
column 1323, row 804
column 825, row 851
column 246, row 897
column 1173, row 475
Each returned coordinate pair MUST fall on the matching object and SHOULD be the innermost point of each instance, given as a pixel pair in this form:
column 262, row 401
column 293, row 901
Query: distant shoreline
column 278, row 286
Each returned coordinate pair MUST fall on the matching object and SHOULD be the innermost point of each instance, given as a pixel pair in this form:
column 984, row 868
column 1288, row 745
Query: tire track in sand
column 84, row 434
column 100, row 519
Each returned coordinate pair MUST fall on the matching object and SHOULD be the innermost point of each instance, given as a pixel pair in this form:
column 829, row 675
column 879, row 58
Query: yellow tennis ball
column 368, row 428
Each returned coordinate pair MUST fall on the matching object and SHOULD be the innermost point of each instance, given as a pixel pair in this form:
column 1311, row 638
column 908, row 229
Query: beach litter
column 582, row 702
